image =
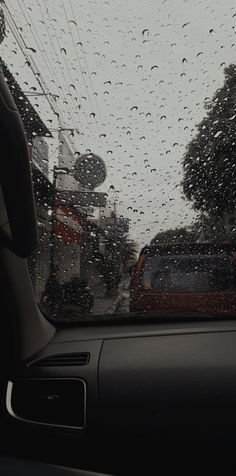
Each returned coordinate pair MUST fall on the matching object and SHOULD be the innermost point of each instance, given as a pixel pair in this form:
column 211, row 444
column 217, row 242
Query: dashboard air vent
column 63, row 360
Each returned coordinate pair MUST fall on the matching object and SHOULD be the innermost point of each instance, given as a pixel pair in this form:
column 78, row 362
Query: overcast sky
column 132, row 76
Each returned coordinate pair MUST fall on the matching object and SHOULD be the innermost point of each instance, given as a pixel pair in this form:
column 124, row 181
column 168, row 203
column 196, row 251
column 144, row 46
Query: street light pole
column 115, row 230
column 56, row 171
column 54, row 215
column 52, row 233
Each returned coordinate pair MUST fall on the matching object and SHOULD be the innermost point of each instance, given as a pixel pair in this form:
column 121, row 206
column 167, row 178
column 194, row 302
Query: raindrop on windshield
column 145, row 33
column 218, row 134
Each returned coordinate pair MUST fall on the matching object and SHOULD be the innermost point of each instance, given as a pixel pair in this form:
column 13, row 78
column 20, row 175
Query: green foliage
column 210, row 159
column 120, row 253
column 212, row 228
column 114, row 263
column 173, row 236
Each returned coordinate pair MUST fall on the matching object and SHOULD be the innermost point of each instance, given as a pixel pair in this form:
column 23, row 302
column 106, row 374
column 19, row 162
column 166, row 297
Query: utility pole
column 51, row 98
column 115, row 241
column 56, row 171
column 52, row 268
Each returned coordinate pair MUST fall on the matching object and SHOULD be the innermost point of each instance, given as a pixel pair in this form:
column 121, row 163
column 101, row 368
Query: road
column 117, row 302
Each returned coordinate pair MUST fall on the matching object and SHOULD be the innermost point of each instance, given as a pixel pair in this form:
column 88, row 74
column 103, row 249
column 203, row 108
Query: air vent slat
column 62, row 360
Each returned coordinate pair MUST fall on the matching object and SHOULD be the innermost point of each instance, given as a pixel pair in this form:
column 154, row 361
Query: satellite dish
column 90, row 170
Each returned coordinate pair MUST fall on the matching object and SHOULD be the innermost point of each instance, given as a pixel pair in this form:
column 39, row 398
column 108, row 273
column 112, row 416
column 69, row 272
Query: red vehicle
column 189, row 277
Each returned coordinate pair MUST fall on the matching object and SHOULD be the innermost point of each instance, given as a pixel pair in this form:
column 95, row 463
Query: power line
column 60, row 47
column 78, row 59
column 23, row 47
column 47, row 63
column 86, row 65
column 40, row 49
column 64, row 77
column 38, row 44
column 48, row 66
column 85, row 60
column 42, row 83
column 31, row 63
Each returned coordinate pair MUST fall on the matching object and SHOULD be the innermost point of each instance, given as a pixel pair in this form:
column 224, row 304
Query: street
column 118, row 301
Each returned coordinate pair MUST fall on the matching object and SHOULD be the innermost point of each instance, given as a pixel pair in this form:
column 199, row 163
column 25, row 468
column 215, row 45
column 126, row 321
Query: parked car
column 191, row 277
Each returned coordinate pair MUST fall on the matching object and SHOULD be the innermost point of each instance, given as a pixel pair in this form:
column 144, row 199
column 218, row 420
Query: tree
column 210, row 160
column 119, row 256
column 173, row 236
column 210, row 228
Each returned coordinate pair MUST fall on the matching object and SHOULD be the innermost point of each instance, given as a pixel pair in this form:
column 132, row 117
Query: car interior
column 119, row 396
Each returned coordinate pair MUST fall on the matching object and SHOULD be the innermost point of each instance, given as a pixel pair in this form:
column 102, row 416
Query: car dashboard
column 128, row 386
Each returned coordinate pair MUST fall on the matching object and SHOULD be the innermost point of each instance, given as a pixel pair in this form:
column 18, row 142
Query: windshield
column 129, row 111
column 189, row 273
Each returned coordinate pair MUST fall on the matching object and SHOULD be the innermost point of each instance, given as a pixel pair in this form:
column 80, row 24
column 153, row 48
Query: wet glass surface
column 129, row 111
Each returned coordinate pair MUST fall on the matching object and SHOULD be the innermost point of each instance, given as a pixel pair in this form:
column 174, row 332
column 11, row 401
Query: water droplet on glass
column 145, row 33
column 33, row 50
column 186, row 24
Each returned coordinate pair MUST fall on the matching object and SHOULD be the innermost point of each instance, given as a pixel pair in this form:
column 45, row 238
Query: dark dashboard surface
column 118, row 329
column 143, row 377
column 144, row 382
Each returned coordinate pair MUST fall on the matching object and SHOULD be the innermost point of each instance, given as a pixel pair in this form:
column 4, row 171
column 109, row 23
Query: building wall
column 66, row 159
column 39, row 154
